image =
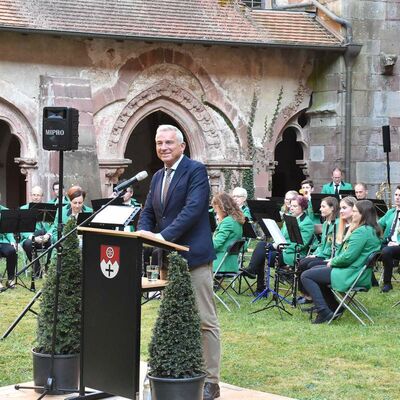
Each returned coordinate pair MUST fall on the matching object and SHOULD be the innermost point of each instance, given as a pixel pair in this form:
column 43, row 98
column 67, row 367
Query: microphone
column 137, row 178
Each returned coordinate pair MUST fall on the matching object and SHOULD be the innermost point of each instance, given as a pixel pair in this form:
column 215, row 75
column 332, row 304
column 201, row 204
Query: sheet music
column 115, row 215
column 274, row 231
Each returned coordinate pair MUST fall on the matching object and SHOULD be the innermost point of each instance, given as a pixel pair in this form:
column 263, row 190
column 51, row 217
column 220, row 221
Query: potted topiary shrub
column 175, row 350
column 67, row 344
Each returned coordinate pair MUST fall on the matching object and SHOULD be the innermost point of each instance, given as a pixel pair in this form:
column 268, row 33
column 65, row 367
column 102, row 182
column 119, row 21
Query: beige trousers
column 202, row 281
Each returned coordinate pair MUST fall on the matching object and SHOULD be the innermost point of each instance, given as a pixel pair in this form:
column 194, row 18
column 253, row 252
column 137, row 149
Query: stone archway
column 197, row 123
column 24, row 133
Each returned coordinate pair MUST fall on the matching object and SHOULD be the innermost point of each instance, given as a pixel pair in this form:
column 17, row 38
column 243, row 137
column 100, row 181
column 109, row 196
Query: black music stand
column 16, row 222
column 380, row 207
column 346, row 193
column 99, row 203
column 211, row 218
column 293, row 229
column 264, row 209
column 277, row 300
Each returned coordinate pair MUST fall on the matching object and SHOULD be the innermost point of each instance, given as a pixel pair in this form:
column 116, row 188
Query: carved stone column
column 110, row 171
column 29, row 168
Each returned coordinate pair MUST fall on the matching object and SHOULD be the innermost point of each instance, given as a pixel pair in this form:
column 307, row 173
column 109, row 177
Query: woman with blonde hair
column 230, row 220
column 361, row 239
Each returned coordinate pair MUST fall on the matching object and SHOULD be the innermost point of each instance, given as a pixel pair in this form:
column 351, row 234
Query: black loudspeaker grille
column 60, row 128
column 386, row 138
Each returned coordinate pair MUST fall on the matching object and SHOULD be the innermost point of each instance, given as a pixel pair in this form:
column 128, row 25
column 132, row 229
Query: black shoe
column 248, row 273
column 211, row 391
column 322, row 317
column 303, row 300
column 387, row 287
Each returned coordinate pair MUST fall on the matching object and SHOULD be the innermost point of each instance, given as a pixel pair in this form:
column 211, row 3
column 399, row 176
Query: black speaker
column 60, row 128
column 386, row 138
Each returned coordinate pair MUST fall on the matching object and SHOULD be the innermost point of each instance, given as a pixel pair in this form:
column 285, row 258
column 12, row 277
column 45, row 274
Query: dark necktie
column 167, row 181
column 337, row 190
column 393, row 227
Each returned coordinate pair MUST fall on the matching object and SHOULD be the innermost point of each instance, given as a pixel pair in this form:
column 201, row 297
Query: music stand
column 211, row 218
column 347, row 192
column 99, row 203
column 380, row 207
column 293, row 229
column 248, row 230
column 276, row 299
column 17, row 221
column 260, row 209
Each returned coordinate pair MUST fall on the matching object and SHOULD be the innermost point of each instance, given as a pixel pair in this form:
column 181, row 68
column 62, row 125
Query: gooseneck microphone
column 137, row 178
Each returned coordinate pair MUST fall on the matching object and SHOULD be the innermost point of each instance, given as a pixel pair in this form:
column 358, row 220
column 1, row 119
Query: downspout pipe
column 352, row 51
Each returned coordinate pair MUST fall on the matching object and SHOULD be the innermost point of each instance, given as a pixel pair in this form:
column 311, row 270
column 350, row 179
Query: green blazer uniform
column 324, row 249
column 66, row 214
column 306, row 227
column 329, row 188
column 386, row 224
column 40, row 226
column 246, row 212
column 351, row 257
column 65, row 200
column 6, row 237
column 227, row 232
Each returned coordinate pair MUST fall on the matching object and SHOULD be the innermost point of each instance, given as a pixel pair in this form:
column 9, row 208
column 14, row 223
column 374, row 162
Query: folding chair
column 220, row 277
column 348, row 300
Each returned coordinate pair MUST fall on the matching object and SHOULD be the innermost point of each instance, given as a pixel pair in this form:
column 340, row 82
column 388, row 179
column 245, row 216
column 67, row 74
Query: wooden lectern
column 111, row 310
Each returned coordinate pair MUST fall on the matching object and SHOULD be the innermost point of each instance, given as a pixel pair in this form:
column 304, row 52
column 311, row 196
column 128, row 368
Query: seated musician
column 8, row 250
column 56, row 192
column 38, row 238
column 337, row 184
column 76, row 197
column 230, row 220
column 239, row 194
column 326, row 248
column 361, row 239
column 289, row 196
column 307, row 188
column 298, row 207
column 391, row 241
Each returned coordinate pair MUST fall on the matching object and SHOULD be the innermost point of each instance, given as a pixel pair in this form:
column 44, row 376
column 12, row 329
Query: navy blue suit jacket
column 184, row 217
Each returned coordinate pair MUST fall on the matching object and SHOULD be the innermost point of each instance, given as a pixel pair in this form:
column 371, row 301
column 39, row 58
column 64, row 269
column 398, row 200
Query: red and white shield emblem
column 109, row 260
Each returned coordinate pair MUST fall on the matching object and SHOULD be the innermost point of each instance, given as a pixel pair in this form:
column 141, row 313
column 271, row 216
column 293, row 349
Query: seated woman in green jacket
column 229, row 229
column 329, row 211
column 76, row 196
column 362, row 239
column 298, row 207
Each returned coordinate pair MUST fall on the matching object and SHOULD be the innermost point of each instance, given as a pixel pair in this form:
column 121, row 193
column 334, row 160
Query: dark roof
column 197, row 21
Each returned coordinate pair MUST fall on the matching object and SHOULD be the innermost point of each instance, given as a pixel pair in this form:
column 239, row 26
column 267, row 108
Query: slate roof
column 197, row 21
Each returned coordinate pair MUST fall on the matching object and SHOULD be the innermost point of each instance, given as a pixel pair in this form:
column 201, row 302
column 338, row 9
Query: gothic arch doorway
column 141, row 150
column 12, row 182
column 288, row 173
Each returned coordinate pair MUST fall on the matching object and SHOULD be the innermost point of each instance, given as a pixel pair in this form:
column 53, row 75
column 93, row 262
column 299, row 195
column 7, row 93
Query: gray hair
column 240, row 192
column 166, row 128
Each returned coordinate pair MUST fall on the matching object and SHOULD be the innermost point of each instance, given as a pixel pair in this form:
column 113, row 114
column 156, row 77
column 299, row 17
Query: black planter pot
column 66, row 372
column 177, row 389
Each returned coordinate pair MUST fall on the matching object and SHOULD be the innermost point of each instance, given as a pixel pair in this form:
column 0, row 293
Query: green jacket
column 329, row 188
column 6, row 237
column 40, row 226
column 324, row 249
column 386, row 223
column 306, row 227
column 351, row 257
column 246, row 212
column 66, row 214
column 227, row 232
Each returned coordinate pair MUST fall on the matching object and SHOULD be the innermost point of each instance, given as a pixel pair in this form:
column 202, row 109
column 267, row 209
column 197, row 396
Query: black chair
column 235, row 249
column 348, row 300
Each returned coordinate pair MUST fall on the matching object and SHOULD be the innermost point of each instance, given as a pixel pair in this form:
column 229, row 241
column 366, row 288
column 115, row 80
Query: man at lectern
column 176, row 210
